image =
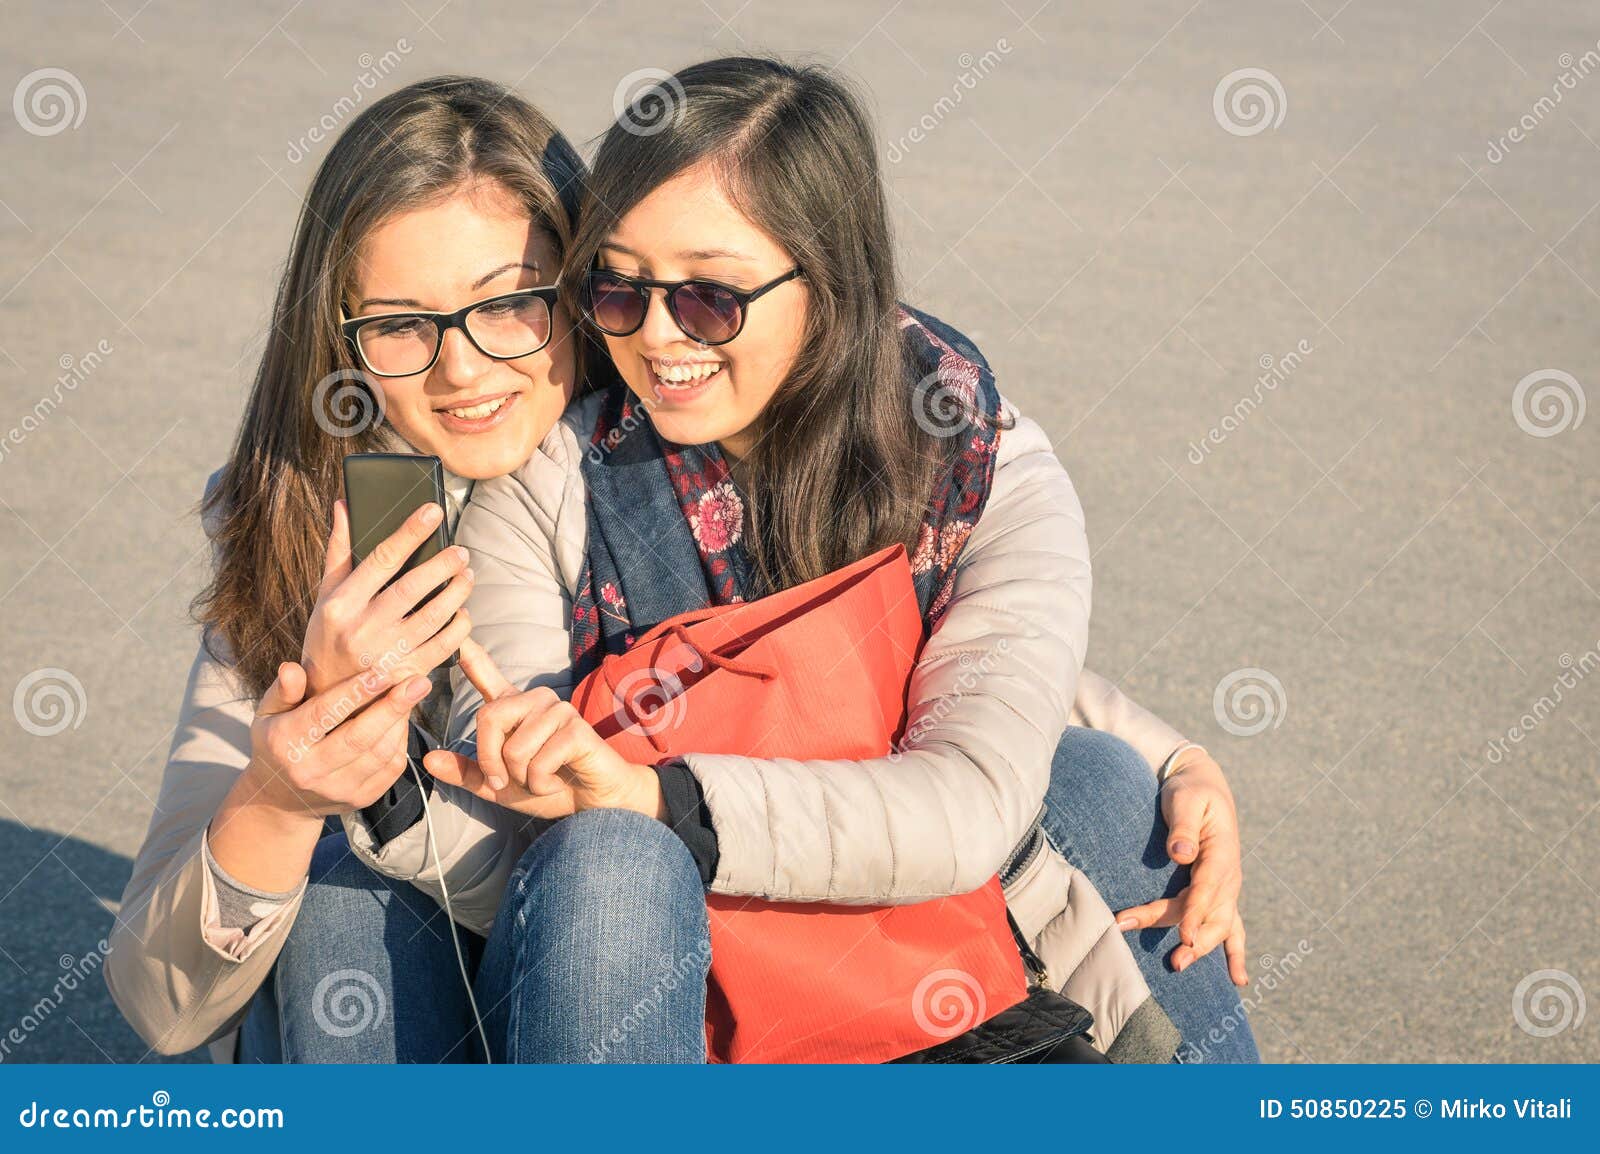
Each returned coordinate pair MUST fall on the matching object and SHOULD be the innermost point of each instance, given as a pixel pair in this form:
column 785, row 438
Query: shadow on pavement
column 57, row 895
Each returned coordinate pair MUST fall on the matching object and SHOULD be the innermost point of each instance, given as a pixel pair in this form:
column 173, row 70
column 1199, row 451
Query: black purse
column 1044, row 1028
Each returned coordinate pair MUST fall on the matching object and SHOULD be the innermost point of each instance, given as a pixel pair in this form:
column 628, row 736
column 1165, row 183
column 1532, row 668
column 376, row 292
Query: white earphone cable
column 455, row 937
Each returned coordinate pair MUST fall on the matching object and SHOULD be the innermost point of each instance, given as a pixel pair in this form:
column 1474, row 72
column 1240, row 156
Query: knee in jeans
column 1088, row 762
column 1095, row 751
column 607, row 856
column 1100, row 782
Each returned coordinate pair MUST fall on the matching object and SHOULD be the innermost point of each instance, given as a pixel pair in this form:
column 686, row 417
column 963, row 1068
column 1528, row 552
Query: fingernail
column 471, row 576
column 497, row 783
column 461, row 553
column 431, row 514
column 1182, row 848
column 417, row 689
column 1127, row 923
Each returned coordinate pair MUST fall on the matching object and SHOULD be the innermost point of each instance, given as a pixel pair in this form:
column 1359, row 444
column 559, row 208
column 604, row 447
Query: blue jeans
column 598, row 953
column 600, row 949
column 367, row 974
column 1104, row 814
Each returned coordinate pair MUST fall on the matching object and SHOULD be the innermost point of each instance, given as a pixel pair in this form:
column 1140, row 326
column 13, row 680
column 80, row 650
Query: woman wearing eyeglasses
column 439, row 221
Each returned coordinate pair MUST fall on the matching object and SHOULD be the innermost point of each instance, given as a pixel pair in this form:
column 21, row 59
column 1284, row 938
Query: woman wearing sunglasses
column 738, row 266
column 417, row 312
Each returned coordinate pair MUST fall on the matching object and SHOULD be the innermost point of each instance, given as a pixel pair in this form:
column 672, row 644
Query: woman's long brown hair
column 309, row 406
column 840, row 467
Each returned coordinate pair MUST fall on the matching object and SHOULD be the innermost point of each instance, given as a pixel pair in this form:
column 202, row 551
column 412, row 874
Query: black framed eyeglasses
column 502, row 328
column 706, row 311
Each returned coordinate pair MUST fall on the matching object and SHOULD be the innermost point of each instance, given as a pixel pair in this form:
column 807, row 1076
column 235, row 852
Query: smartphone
column 382, row 490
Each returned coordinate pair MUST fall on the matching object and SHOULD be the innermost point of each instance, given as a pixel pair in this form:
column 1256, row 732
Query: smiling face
column 688, row 229
column 481, row 417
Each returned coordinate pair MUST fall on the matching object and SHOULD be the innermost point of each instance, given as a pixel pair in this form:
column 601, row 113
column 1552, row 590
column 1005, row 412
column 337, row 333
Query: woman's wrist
column 262, row 787
column 647, row 796
column 263, row 837
column 318, row 679
column 1186, row 757
column 1195, row 767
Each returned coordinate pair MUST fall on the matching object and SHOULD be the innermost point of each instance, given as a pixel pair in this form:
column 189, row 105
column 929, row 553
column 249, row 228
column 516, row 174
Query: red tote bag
column 817, row 671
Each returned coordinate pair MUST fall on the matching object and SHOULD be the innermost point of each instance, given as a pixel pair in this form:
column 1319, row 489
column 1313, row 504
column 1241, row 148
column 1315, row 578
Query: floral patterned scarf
column 667, row 521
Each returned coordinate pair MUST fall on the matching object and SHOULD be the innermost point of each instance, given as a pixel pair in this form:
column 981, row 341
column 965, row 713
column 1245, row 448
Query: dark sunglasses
column 502, row 328
column 707, row 312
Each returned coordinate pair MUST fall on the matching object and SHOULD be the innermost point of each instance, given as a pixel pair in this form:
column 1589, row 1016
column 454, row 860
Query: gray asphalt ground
column 1390, row 548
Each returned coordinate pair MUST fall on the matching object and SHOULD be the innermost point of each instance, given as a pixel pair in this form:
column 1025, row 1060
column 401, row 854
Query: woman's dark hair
column 274, row 501
column 839, row 466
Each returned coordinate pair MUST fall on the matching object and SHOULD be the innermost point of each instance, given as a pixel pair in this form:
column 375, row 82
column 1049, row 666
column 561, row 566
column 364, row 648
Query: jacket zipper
column 1028, row 849
column 1041, row 976
column 1026, row 853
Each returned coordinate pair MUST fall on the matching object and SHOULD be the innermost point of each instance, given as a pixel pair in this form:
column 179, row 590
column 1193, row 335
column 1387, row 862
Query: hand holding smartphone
column 392, row 589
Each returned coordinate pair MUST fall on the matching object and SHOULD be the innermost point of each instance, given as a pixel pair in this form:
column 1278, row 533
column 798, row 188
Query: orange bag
column 817, row 671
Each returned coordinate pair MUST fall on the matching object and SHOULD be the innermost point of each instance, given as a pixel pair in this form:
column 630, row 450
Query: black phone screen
column 382, row 490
